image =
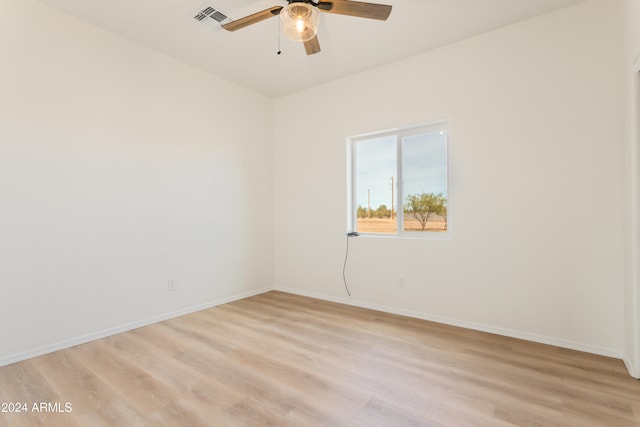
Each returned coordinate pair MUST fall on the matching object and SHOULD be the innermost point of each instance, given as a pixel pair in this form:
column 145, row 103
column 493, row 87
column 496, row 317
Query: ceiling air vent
column 211, row 16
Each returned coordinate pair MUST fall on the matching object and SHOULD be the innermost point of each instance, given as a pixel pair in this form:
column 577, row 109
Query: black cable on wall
column 346, row 257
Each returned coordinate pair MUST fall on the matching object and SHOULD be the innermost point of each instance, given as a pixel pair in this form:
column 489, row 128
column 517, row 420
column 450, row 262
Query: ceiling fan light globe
column 299, row 21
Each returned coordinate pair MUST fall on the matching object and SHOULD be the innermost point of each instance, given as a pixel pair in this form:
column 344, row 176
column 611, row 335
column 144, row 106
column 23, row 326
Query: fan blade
column 312, row 46
column 324, row 5
column 252, row 19
column 356, row 8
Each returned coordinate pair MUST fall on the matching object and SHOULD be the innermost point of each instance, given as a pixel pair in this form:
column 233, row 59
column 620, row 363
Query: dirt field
column 386, row 225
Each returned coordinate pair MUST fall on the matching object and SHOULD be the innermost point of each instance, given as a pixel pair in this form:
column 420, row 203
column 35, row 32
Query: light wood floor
column 284, row 360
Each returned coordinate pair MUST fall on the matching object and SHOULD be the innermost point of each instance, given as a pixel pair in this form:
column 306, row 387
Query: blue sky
column 424, row 165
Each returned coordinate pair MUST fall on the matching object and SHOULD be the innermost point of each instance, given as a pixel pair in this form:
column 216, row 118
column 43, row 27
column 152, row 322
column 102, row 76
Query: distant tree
column 424, row 206
column 382, row 212
column 443, row 214
column 362, row 212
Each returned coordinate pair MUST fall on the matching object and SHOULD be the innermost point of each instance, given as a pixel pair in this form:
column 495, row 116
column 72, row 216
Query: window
column 398, row 182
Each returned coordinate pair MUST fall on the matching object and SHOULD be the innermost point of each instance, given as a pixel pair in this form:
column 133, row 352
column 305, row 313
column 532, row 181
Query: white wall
column 119, row 170
column 632, row 16
column 632, row 288
column 537, row 183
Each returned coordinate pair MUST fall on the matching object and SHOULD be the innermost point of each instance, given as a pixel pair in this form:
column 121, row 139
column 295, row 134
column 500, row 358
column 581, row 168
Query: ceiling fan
column 300, row 18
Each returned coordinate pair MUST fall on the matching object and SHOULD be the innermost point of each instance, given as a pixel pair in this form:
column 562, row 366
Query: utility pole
column 369, row 203
column 392, row 196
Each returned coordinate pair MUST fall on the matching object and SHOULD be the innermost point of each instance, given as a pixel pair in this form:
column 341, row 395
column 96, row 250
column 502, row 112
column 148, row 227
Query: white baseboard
column 633, row 371
column 123, row 328
column 603, row 351
column 363, row 304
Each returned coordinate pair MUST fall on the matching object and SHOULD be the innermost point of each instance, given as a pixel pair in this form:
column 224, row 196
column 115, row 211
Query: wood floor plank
column 183, row 381
column 379, row 412
column 446, row 409
column 286, row 360
column 86, row 391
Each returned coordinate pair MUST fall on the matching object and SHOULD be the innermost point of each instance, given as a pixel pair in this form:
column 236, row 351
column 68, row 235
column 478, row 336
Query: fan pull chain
column 279, row 51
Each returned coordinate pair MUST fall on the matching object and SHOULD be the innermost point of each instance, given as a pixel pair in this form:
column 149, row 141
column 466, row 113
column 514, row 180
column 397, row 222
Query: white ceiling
column 349, row 45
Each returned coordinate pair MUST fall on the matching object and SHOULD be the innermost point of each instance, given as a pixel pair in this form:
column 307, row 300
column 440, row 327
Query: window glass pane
column 375, row 171
column 424, row 169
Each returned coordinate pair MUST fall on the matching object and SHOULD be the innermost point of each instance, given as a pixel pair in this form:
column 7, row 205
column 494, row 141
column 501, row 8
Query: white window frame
column 352, row 208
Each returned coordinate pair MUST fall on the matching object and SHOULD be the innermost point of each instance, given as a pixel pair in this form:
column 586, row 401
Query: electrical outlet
column 171, row 285
column 402, row 284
